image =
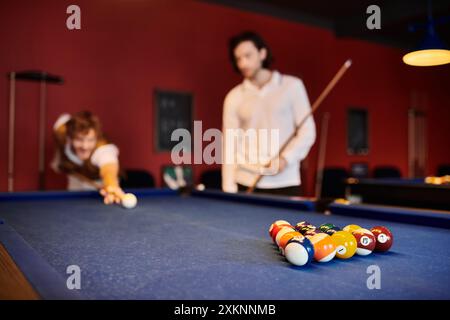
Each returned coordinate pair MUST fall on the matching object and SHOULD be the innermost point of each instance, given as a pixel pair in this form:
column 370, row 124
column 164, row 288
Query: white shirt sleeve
column 300, row 145
column 62, row 119
column 105, row 154
column 230, row 121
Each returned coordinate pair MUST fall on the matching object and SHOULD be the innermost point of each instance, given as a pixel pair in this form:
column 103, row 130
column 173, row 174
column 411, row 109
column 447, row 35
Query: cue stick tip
column 348, row 63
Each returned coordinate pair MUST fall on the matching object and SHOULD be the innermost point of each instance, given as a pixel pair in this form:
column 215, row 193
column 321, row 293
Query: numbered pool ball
column 383, row 237
column 324, row 247
column 282, row 232
column 302, row 223
column 365, row 241
column 332, row 230
column 276, row 226
column 351, row 227
column 346, row 244
column 309, row 228
column 326, row 226
column 285, row 238
column 299, row 251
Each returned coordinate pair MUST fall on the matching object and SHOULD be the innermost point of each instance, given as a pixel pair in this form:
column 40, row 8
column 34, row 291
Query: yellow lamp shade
column 429, row 57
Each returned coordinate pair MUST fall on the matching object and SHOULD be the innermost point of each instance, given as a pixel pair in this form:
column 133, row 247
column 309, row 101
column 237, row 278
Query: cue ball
column 383, row 237
column 201, row 187
column 129, row 201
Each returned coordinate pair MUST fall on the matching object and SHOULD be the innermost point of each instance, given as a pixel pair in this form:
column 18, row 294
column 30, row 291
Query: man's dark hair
column 257, row 41
column 82, row 122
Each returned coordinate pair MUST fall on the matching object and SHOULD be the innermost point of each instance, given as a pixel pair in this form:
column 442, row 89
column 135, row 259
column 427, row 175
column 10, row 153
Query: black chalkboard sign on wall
column 173, row 110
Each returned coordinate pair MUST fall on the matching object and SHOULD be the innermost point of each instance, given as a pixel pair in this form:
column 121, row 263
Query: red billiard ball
column 276, row 223
column 281, row 233
column 277, row 229
column 384, row 238
column 365, row 241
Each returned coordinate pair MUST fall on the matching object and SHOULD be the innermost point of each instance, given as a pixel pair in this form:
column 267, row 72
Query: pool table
column 205, row 245
column 400, row 192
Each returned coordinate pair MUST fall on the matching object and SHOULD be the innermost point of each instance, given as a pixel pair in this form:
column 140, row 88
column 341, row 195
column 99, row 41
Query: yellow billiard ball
column 346, row 244
column 351, row 227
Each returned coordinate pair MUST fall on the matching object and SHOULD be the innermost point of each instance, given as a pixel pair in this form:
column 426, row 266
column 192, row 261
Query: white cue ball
column 201, row 187
column 129, row 201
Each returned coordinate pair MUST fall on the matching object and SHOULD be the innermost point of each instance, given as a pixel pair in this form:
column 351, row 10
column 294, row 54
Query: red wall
column 126, row 49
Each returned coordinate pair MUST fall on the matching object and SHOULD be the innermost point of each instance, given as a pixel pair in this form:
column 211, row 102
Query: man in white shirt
column 86, row 156
column 266, row 100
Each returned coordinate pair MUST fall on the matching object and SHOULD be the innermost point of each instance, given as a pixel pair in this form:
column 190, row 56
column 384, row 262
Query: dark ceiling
column 348, row 18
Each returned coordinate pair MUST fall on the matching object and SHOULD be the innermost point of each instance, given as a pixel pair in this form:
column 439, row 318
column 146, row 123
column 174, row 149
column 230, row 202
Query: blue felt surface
column 303, row 204
column 172, row 247
column 48, row 282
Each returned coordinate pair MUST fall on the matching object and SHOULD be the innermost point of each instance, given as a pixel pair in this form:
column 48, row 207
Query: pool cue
column 12, row 117
column 42, row 121
column 322, row 153
column 314, row 107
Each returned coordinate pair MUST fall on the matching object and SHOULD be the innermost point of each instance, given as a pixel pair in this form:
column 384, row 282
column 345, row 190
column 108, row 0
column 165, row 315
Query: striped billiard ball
column 299, row 251
column 365, row 241
column 285, row 238
column 278, row 228
column 282, row 232
column 324, row 247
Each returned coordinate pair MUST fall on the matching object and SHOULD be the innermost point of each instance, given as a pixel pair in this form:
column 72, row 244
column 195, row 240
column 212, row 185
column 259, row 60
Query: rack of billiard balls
column 303, row 242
